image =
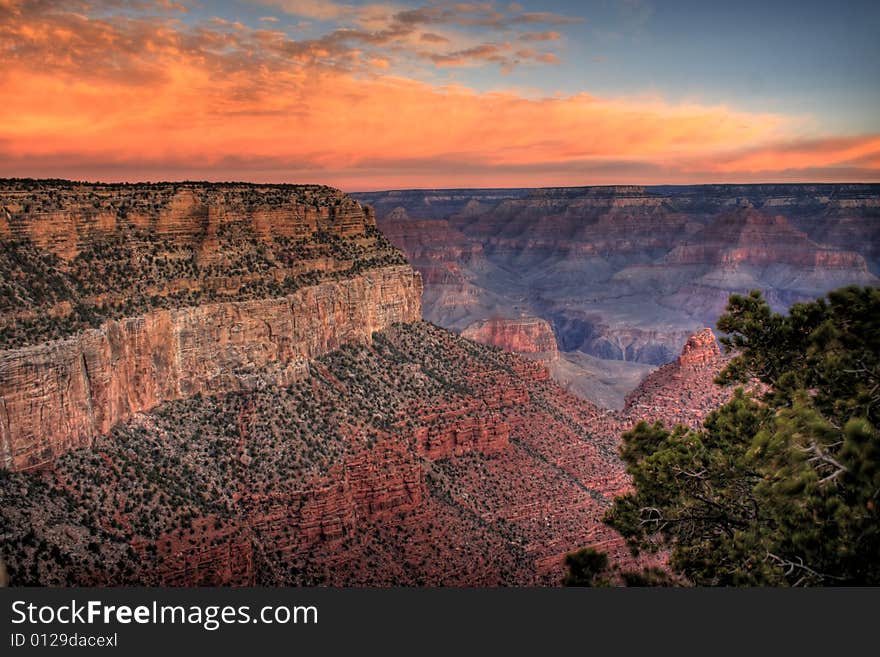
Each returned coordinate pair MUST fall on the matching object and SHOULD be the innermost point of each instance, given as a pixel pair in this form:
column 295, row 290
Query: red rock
column 59, row 395
column 684, row 391
column 700, row 348
column 522, row 335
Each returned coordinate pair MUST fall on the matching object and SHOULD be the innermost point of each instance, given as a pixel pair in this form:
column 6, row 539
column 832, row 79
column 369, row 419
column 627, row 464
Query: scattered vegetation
column 201, row 474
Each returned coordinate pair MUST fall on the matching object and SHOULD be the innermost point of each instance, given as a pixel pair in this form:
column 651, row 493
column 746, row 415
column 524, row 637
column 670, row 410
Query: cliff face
column 61, row 394
column 77, row 255
column 62, row 216
column 522, row 335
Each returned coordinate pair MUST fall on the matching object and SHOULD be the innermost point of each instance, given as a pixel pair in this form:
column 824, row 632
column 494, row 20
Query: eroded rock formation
column 522, row 335
column 701, row 348
column 61, row 394
column 683, row 391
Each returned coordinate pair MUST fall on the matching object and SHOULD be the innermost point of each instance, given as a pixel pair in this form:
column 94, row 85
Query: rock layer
column 522, row 335
column 61, row 394
column 62, row 216
column 683, row 391
column 627, row 273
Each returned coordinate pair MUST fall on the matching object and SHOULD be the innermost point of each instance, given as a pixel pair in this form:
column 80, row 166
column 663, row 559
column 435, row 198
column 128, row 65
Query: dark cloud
column 481, row 15
column 489, row 52
column 430, row 37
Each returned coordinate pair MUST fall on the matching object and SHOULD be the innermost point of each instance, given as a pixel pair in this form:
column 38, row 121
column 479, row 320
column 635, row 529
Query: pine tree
column 783, row 489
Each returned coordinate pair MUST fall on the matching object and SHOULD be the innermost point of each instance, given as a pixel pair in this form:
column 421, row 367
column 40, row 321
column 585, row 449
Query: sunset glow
column 366, row 97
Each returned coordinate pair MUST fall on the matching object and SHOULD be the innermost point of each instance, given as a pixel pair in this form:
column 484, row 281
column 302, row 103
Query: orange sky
column 152, row 97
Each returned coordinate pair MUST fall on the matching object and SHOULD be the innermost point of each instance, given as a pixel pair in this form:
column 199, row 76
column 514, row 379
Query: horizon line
column 191, row 181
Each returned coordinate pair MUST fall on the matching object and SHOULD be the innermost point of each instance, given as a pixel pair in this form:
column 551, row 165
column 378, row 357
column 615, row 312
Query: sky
column 390, row 95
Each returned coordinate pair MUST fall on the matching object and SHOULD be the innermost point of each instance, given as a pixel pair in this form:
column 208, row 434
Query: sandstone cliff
column 59, row 395
column 523, row 335
column 76, row 255
column 62, row 216
column 116, row 298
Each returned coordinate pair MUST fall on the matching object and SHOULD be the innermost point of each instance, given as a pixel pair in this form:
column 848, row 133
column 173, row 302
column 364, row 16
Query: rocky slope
column 421, row 458
column 683, row 391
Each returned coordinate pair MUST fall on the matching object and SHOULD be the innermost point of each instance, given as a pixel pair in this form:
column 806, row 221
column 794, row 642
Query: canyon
column 64, row 392
column 421, row 458
column 231, row 384
column 624, row 275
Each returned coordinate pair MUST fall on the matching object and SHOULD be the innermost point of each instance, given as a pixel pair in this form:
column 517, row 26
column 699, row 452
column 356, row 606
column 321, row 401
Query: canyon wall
column 61, row 216
column 522, row 335
column 59, row 395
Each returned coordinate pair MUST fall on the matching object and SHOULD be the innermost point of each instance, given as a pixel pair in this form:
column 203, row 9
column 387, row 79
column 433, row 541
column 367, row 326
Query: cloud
column 439, row 32
column 430, row 37
column 540, row 36
column 121, row 96
column 323, row 10
column 473, row 14
column 489, row 52
column 545, row 17
column 801, row 153
column 479, row 14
